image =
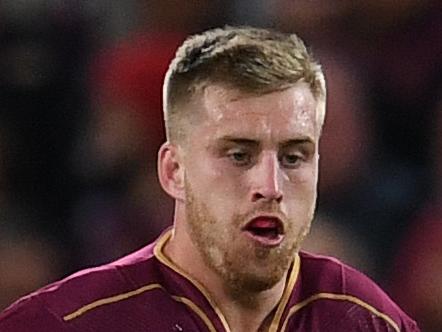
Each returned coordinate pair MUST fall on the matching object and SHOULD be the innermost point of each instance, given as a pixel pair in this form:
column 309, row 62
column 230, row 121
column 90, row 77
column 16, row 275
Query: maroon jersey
column 145, row 291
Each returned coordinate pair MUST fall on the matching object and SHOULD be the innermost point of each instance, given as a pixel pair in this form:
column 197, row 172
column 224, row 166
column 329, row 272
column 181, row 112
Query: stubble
column 245, row 267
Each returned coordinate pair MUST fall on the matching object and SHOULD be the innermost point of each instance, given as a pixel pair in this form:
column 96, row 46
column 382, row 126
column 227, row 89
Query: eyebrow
column 298, row 141
column 239, row 140
column 252, row 142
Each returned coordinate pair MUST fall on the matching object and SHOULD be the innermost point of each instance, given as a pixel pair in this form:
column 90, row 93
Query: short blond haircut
column 252, row 60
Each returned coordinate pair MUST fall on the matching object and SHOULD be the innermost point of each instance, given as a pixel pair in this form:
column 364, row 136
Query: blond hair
column 250, row 59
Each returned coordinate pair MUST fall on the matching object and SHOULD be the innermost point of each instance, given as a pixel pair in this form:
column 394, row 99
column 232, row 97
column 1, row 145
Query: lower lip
column 265, row 241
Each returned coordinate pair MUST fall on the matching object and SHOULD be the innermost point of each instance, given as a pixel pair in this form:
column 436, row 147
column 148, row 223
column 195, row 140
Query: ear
column 171, row 171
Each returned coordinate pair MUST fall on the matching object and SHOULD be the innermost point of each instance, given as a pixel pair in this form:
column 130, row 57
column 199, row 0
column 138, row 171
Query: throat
column 249, row 313
column 249, row 310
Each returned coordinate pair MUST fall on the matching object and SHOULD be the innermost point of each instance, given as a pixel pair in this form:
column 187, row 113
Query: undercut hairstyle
column 252, row 60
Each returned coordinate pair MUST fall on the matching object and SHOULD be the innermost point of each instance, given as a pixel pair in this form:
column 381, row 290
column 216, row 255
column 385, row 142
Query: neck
column 243, row 311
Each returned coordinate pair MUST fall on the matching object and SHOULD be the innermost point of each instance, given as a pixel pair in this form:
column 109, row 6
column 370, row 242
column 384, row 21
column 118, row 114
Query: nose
column 266, row 179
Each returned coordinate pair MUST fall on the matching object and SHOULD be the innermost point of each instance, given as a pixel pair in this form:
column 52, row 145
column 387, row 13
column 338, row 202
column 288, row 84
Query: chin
column 257, row 272
column 255, row 281
column 260, row 285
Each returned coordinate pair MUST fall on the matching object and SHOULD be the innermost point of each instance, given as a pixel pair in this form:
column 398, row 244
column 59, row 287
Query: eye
column 239, row 158
column 291, row 160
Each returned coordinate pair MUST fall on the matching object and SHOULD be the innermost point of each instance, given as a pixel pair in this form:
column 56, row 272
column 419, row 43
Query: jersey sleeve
column 360, row 319
column 337, row 297
column 30, row 315
column 372, row 307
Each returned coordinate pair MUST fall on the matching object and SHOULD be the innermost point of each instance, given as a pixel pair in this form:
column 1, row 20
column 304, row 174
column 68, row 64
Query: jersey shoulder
column 49, row 307
column 332, row 275
column 327, row 280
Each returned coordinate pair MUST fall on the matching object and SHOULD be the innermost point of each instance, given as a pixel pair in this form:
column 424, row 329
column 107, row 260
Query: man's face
column 251, row 168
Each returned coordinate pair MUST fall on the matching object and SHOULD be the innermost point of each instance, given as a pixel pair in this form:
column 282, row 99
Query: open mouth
column 267, row 231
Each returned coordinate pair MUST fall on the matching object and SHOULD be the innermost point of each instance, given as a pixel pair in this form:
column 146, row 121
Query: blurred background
column 81, row 121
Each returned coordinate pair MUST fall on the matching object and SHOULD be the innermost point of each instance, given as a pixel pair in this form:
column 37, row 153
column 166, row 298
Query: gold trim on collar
column 197, row 310
column 158, row 252
column 288, row 290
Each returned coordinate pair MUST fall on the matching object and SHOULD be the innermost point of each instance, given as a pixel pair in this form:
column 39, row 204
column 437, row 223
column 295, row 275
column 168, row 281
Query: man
column 244, row 109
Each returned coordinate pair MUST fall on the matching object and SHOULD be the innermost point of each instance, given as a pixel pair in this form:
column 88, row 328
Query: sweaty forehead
column 286, row 112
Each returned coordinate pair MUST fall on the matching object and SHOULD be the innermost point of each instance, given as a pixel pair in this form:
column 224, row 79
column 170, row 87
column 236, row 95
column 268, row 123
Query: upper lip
column 278, row 219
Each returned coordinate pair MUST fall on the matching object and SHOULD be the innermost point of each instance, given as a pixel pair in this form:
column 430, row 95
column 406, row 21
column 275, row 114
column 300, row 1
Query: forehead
column 279, row 115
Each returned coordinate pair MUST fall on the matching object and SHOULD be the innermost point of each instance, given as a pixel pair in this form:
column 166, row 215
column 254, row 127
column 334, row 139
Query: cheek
column 229, row 180
column 304, row 179
column 301, row 190
column 214, row 183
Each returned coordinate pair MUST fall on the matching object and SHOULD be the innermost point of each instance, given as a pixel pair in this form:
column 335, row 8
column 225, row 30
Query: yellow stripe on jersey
column 339, row 297
column 120, row 297
column 109, row 300
column 158, row 251
column 197, row 310
column 286, row 295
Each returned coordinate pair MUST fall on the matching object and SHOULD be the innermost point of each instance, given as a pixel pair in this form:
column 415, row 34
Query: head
column 244, row 109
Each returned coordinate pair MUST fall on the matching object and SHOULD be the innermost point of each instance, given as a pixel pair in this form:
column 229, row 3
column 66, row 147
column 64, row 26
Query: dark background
column 81, row 121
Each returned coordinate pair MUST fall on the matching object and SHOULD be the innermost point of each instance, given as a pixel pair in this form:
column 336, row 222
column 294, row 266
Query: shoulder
column 332, row 274
column 47, row 308
column 349, row 293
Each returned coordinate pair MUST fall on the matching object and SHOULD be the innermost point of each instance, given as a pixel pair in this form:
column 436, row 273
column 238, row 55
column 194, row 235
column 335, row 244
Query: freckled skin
column 222, row 194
